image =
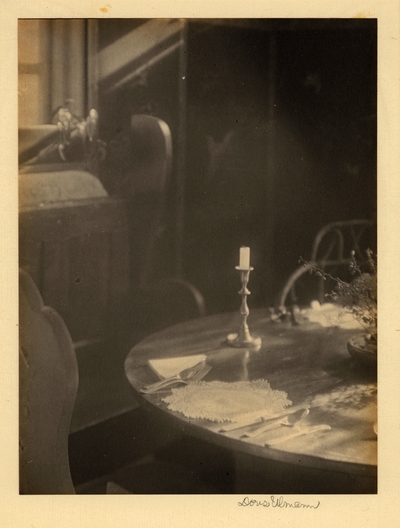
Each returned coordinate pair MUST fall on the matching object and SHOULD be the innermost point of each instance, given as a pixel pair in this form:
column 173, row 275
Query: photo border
column 154, row 511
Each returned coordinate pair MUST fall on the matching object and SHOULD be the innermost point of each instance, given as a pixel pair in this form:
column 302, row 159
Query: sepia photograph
column 162, row 163
column 197, row 263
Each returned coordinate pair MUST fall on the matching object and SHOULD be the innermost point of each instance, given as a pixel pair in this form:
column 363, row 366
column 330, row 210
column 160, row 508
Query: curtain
column 68, row 64
column 52, row 63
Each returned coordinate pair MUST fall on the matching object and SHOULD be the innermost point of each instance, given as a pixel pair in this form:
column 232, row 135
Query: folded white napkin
column 165, row 368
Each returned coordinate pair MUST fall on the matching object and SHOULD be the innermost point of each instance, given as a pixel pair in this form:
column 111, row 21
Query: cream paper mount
column 220, row 401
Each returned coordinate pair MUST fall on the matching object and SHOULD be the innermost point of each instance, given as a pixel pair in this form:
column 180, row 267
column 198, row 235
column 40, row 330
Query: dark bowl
column 363, row 349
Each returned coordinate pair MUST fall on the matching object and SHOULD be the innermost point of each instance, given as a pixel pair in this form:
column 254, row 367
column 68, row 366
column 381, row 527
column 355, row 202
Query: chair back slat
column 331, row 252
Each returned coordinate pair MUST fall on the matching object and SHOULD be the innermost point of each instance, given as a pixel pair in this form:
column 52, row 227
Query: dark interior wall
column 281, row 140
column 326, row 134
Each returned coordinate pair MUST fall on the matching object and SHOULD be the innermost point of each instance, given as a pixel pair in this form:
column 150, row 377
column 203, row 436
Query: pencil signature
column 277, row 502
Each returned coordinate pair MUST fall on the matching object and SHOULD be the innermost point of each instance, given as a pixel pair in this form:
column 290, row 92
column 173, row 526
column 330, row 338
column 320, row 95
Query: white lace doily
column 221, row 401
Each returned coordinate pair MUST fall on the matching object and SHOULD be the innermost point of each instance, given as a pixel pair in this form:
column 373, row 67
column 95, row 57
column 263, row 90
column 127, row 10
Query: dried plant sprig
column 359, row 297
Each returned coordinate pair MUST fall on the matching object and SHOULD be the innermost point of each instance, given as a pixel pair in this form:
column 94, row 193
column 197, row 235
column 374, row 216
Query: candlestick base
column 237, row 341
column 243, row 339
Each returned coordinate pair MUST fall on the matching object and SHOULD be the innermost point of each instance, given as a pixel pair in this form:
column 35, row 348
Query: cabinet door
column 78, row 258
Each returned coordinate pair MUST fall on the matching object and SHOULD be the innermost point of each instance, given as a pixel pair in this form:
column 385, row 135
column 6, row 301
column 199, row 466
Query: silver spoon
column 290, row 420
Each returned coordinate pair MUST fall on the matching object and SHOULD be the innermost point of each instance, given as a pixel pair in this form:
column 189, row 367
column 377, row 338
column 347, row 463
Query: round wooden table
column 307, row 361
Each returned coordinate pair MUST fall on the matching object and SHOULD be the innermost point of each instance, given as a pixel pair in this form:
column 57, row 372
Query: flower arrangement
column 358, row 297
column 73, row 139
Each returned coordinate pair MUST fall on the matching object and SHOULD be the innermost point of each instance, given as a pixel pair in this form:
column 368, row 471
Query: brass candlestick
column 243, row 339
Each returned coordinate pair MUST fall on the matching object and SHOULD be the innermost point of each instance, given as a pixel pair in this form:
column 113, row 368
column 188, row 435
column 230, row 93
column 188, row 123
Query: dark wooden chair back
column 48, row 387
column 151, row 144
column 147, row 187
column 162, row 296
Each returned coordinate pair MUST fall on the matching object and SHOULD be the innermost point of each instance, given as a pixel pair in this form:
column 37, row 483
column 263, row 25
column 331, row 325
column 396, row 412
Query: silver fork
column 184, row 374
column 201, row 374
column 290, row 420
column 183, row 377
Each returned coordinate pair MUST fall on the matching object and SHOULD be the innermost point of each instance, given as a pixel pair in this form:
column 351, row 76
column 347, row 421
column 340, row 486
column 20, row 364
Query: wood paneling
column 78, row 256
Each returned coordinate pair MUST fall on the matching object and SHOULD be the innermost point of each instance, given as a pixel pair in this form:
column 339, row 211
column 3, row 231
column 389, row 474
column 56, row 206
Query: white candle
column 244, row 259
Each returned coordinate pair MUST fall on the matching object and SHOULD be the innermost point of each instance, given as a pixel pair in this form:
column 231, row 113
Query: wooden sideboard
column 77, row 252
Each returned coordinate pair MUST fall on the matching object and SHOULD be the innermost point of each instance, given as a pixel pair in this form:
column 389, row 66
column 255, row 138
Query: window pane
column 28, row 97
column 29, row 33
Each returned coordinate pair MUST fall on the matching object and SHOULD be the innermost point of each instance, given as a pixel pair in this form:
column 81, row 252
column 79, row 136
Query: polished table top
column 308, row 361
